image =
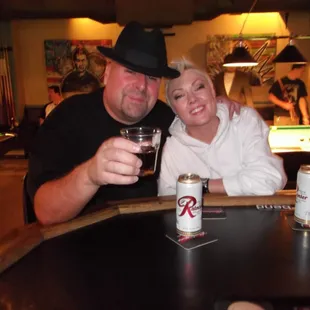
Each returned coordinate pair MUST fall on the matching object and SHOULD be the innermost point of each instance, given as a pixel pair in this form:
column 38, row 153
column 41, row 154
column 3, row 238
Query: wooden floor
column 11, row 185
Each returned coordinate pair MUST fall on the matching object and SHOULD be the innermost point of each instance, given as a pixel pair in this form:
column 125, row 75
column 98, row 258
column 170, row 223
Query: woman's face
column 192, row 98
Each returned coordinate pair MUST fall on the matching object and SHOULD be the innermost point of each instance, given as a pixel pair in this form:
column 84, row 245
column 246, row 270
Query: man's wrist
column 85, row 174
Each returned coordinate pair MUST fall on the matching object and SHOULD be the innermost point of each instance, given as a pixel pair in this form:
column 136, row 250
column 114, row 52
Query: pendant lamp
column 240, row 57
column 290, row 54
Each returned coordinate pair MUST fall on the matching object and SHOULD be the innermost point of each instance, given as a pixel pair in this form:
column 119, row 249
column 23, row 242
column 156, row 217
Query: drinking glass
column 149, row 140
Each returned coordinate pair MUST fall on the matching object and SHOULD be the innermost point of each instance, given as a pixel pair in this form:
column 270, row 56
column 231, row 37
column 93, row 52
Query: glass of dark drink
column 149, row 140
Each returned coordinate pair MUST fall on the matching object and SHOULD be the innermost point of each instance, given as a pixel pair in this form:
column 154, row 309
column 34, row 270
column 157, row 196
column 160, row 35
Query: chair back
column 29, row 214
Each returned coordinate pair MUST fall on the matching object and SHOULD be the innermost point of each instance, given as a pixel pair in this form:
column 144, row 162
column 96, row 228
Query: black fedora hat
column 141, row 51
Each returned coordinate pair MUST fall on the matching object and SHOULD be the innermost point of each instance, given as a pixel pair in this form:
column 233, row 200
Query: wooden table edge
column 56, row 230
column 20, row 242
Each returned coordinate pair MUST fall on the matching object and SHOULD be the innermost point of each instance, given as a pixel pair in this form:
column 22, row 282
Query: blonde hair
column 182, row 65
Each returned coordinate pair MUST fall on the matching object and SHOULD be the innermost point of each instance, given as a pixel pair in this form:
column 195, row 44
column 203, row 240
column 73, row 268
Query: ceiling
column 158, row 12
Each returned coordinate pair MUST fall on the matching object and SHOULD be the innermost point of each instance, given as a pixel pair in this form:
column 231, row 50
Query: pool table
column 7, row 142
column 292, row 143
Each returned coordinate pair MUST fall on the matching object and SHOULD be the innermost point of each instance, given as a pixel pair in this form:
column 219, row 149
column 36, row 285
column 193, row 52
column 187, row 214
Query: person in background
column 79, row 158
column 289, row 95
column 54, row 98
column 234, row 84
column 232, row 156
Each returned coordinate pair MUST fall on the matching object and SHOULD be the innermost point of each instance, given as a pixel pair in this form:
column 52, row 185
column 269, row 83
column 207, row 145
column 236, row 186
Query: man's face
column 81, row 62
column 300, row 71
column 51, row 95
column 129, row 96
column 230, row 69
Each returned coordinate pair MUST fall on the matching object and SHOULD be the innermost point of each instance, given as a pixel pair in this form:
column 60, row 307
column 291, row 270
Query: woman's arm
column 262, row 172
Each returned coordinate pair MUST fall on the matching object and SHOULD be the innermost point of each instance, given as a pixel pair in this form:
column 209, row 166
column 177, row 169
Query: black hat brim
column 166, row 71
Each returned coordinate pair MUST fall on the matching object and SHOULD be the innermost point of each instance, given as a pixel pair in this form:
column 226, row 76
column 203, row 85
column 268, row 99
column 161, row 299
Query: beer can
column 302, row 205
column 189, row 205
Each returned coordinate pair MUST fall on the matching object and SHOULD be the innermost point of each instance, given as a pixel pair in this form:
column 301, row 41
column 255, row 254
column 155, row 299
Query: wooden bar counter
column 120, row 258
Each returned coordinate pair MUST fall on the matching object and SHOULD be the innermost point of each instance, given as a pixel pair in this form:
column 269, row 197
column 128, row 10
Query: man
column 80, row 80
column 234, row 84
column 54, row 98
column 288, row 94
column 79, row 158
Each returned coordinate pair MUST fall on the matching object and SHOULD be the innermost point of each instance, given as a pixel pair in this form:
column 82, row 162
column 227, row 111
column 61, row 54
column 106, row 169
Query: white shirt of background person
column 228, row 80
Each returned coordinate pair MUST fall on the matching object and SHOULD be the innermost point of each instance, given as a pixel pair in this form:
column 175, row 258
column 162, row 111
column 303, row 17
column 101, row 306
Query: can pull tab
column 205, row 185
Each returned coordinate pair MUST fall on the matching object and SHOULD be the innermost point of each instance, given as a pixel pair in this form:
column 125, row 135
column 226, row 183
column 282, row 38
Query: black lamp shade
column 290, row 54
column 240, row 57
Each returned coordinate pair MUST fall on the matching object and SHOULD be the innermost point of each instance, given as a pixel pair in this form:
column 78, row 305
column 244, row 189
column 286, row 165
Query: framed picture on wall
column 261, row 47
column 76, row 66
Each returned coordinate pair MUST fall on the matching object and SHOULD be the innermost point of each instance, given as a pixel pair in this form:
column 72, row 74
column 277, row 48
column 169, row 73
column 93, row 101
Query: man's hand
column 115, row 163
column 305, row 120
column 233, row 106
column 288, row 106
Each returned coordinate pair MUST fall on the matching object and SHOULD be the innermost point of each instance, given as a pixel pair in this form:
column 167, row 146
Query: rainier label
column 189, row 205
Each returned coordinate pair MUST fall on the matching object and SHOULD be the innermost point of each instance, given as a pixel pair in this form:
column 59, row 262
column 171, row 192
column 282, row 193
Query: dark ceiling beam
column 56, row 15
column 104, row 10
column 209, row 9
column 215, row 13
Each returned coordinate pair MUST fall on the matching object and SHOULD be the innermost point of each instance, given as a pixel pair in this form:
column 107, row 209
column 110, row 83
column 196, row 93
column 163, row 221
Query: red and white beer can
column 189, row 205
column 302, row 205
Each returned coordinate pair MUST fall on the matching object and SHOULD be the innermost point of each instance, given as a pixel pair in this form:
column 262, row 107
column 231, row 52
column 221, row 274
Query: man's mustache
column 138, row 94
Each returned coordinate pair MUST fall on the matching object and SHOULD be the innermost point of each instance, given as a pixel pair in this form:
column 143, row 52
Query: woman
column 233, row 155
